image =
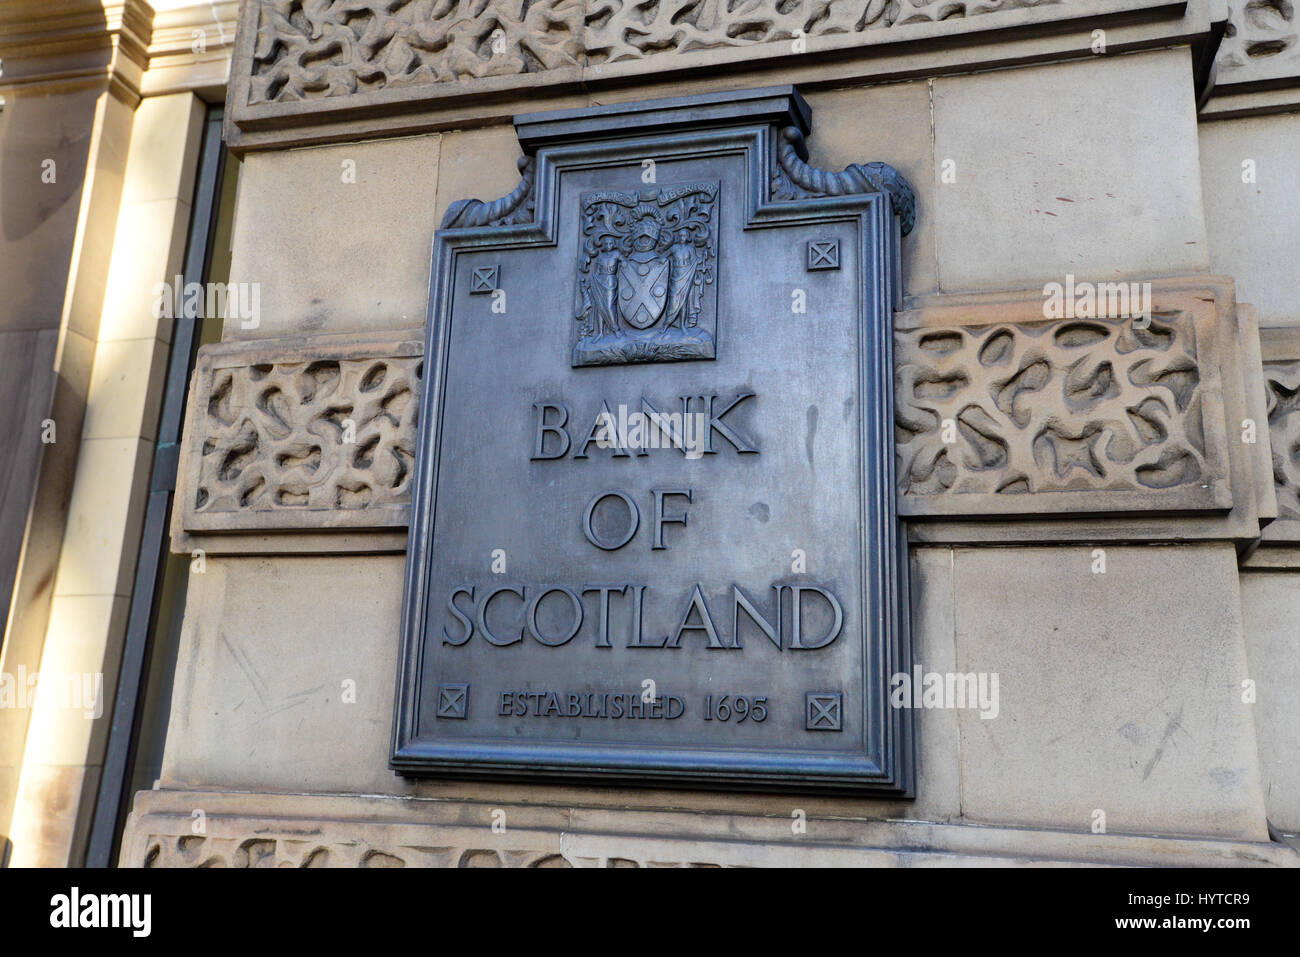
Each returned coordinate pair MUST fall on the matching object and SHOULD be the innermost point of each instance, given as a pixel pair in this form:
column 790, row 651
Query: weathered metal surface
column 654, row 533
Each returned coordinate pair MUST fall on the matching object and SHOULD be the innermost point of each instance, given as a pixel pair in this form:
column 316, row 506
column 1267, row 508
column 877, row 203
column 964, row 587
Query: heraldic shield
column 645, row 276
column 642, row 292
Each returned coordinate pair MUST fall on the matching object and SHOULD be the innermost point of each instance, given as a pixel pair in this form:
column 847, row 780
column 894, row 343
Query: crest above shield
column 647, row 262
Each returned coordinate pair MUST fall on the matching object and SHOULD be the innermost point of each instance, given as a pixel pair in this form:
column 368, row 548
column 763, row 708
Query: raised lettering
column 556, row 428
column 460, row 616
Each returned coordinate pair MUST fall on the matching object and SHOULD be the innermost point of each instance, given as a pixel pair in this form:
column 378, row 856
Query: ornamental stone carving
column 303, row 68
column 307, row 50
column 285, row 435
column 997, row 411
column 251, row 829
column 328, row 48
column 1279, row 394
column 1282, row 385
column 1079, row 404
column 1261, row 41
column 1074, row 423
column 282, row 851
column 310, row 70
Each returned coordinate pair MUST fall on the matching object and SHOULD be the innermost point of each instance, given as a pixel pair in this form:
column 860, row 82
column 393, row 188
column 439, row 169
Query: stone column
column 126, row 169
column 71, row 84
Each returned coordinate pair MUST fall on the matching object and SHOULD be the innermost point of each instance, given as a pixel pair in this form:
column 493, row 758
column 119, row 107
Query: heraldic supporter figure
column 645, row 264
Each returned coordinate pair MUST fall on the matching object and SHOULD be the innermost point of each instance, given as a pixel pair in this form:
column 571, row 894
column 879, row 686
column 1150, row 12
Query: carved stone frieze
column 334, row 69
column 1282, row 382
column 251, row 829
column 308, row 71
column 622, row 29
column 1280, row 355
column 291, row 434
column 1053, row 406
column 189, row 850
column 332, row 48
column 998, row 412
column 340, row 47
column 1261, row 42
column 1003, row 411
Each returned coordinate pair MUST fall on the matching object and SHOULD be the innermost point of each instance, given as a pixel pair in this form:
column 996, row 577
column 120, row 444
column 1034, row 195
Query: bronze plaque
column 654, row 535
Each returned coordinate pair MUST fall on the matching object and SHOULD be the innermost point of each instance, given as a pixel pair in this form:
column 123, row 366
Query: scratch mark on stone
column 247, row 668
column 1165, row 738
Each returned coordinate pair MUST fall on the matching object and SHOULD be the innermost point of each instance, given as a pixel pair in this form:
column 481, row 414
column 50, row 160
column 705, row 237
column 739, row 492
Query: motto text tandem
column 102, row 910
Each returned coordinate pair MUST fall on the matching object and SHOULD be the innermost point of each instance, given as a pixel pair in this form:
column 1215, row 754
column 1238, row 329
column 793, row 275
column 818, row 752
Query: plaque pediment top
column 780, row 106
column 781, row 109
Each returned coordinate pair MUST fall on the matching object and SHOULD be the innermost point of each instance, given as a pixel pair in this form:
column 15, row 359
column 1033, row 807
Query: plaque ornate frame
column 766, row 127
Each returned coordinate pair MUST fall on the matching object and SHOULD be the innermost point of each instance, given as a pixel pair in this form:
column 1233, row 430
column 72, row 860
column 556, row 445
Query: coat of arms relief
column 646, row 269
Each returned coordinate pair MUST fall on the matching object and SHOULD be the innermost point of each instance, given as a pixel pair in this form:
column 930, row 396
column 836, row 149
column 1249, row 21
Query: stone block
column 934, row 649
column 125, row 389
column 41, row 219
column 1093, row 173
column 52, row 816
column 296, row 234
column 1119, row 430
column 79, row 666
column 1259, row 45
column 1060, row 414
column 97, row 226
column 284, row 679
column 1252, row 224
column 1280, row 352
column 105, row 516
column 301, row 434
column 165, row 138
column 150, row 251
column 27, row 383
column 1120, row 691
column 1270, row 603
